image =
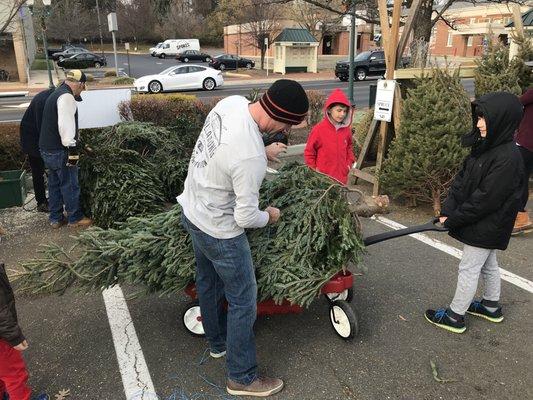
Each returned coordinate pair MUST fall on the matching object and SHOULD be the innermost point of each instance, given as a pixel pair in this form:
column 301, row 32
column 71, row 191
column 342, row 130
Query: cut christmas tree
column 427, row 152
column 494, row 73
column 316, row 237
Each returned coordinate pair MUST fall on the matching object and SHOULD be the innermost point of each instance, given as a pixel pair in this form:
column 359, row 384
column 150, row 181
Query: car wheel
column 248, row 65
column 360, row 74
column 155, row 87
column 97, row 64
column 343, row 78
column 207, row 60
column 209, row 84
column 162, row 55
column 222, row 67
column 61, row 58
column 185, row 59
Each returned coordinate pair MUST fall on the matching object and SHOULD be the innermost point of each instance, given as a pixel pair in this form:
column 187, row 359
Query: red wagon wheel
column 343, row 319
column 192, row 319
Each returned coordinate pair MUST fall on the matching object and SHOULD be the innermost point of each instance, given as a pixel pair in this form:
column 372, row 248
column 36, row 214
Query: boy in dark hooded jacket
column 329, row 146
column 481, row 208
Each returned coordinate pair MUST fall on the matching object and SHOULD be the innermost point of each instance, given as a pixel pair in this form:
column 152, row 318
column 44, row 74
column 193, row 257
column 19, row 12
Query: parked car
column 180, row 78
column 193, row 55
column 63, row 47
column 60, row 56
column 83, row 60
column 173, row 47
column 230, row 61
column 367, row 63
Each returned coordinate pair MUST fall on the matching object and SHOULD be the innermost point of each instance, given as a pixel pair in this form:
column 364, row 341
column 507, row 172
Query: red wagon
column 338, row 291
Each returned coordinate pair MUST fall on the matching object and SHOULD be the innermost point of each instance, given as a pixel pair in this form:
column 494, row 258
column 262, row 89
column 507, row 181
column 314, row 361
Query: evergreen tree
column 494, row 74
column 427, row 152
column 517, row 64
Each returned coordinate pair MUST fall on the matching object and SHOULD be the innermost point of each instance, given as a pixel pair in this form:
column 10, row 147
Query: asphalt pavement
column 72, row 347
column 12, row 108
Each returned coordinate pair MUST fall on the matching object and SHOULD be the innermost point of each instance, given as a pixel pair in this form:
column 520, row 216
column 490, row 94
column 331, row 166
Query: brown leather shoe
column 261, row 387
column 82, row 223
column 57, row 225
column 522, row 223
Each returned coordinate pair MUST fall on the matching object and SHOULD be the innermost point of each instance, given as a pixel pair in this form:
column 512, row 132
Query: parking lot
column 99, row 348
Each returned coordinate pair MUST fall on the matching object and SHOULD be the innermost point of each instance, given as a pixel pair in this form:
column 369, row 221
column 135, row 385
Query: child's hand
column 21, row 346
column 442, row 219
column 274, row 149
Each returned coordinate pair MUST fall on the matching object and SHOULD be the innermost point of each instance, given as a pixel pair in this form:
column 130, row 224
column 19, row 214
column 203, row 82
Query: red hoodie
column 329, row 146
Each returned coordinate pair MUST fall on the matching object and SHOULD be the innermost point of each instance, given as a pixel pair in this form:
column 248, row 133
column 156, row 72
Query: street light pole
column 42, row 13
column 353, row 28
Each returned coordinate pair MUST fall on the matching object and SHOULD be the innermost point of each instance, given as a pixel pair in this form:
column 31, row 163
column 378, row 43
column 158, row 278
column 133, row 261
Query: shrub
column 124, row 80
column 40, row 56
column 110, row 73
column 90, row 77
column 11, row 156
column 40, row 64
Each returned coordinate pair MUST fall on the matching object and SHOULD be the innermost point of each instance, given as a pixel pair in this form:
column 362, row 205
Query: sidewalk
column 38, row 81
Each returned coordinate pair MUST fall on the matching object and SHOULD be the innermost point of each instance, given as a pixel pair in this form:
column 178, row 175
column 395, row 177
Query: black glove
column 278, row 137
column 73, row 156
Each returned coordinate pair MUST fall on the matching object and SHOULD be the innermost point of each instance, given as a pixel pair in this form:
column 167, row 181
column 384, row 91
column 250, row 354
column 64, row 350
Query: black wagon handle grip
column 432, row 225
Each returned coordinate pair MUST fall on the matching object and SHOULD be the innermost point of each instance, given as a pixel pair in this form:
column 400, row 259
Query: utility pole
column 353, row 51
column 113, row 27
column 100, row 28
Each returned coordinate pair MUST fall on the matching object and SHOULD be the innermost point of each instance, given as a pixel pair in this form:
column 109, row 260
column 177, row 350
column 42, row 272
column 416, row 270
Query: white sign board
column 384, row 100
column 127, row 45
column 99, row 108
column 112, row 22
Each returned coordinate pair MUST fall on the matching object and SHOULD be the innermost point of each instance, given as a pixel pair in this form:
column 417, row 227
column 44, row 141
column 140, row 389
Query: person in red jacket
column 524, row 140
column 329, row 146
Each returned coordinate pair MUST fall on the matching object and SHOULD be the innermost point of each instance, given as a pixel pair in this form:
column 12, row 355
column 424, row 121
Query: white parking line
column 133, row 369
column 506, row 275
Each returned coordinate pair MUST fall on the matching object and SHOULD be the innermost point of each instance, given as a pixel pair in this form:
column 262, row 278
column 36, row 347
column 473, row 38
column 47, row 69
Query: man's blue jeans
column 224, row 269
column 63, row 187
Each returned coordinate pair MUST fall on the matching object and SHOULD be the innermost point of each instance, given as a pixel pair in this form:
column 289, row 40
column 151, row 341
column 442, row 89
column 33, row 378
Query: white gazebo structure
column 295, row 50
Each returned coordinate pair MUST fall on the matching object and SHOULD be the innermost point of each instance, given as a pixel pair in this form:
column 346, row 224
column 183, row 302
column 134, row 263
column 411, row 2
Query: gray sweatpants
column 475, row 261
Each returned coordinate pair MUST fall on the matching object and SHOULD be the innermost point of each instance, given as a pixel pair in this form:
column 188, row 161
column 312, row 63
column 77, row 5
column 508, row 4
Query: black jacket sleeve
column 489, row 196
column 450, row 204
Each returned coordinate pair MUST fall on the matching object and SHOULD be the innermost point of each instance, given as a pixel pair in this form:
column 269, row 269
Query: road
column 12, row 109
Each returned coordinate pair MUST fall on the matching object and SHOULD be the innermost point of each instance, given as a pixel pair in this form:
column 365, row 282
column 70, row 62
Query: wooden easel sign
column 384, row 100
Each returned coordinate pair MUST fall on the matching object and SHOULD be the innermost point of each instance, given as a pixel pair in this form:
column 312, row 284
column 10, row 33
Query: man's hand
column 21, row 346
column 442, row 219
column 274, row 149
column 273, row 214
column 73, row 156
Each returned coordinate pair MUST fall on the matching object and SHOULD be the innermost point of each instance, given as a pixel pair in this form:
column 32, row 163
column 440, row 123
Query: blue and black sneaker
column 42, row 396
column 442, row 319
column 479, row 309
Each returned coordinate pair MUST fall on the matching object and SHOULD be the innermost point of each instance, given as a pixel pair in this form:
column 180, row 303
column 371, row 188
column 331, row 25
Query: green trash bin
column 12, row 188
column 373, row 87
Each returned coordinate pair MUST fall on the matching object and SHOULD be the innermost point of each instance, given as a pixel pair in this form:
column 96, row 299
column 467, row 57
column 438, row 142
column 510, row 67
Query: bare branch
column 12, row 11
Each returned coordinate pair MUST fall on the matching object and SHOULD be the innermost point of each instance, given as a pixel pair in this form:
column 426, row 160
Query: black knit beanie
column 286, row 101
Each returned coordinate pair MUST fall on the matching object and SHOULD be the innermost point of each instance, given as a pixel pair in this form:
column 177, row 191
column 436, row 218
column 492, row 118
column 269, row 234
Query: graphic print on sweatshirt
column 208, row 141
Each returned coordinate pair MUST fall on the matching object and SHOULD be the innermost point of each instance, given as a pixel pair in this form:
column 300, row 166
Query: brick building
column 474, row 26
column 239, row 39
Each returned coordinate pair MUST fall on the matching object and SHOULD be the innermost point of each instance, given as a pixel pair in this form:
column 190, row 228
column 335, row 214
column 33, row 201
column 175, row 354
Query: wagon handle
column 433, row 225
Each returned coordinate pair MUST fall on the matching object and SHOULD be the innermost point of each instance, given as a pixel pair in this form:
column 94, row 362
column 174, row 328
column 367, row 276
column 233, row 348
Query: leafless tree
column 9, row 8
column 70, row 21
column 181, row 21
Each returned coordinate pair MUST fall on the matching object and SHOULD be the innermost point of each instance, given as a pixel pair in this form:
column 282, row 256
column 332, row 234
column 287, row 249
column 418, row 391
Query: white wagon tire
column 343, row 319
column 192, row 319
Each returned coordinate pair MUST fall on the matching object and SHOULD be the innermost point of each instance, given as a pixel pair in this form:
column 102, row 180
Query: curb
column 14, row 94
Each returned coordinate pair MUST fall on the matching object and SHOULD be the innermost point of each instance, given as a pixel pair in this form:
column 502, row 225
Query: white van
column 172, row 47
column 152, row 49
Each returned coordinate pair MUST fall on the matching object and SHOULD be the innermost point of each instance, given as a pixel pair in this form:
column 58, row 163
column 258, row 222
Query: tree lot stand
column 295, row 50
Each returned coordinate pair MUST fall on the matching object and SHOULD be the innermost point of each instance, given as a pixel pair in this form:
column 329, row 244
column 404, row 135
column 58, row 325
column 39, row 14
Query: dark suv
column 366, row 64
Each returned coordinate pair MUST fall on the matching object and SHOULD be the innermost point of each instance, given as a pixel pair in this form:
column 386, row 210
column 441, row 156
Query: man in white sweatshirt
column 58, row 144
column 220, row 200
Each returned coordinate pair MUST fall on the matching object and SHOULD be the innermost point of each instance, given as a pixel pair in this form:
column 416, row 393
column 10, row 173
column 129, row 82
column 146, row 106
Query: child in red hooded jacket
column 329, row 146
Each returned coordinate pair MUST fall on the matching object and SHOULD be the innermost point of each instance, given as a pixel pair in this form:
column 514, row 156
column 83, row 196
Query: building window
column 470, row 41
column 450, row 40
